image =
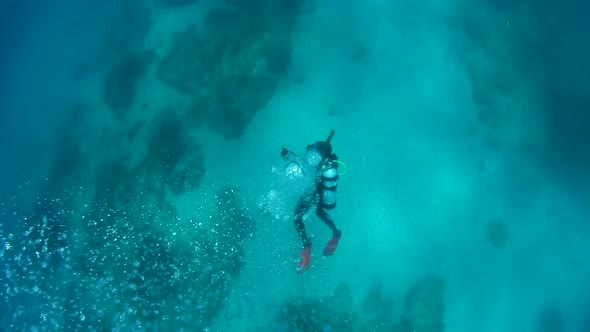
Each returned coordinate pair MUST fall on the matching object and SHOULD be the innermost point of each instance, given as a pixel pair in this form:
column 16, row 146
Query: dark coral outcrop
column 231, row 65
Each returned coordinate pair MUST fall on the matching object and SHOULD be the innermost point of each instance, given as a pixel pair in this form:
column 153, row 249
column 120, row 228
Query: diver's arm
column 330, row 136
column 286, row 154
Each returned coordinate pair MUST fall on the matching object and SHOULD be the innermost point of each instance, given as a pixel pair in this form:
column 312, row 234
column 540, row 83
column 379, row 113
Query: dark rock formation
column 119, row 262
column 104, row 247
column 377, row 308
column 130, row 27
column 120, row 82
column 332, row 313
column 173, row 156
column 232, row 64
column 423, row 310
column 424, row 307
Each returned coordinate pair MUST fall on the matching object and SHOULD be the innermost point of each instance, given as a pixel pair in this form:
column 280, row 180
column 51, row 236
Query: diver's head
column 315, row 156
column 323, row 147
column 318, row 152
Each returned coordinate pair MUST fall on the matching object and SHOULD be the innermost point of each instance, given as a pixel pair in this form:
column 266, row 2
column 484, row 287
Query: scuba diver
column 322, row 161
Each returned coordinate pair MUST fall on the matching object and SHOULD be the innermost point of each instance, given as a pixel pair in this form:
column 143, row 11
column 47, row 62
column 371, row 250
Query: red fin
column 305, row 259
column 332, row 244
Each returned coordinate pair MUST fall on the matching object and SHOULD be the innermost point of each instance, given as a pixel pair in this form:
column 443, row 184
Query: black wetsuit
column 313, row 197
column 303, row 205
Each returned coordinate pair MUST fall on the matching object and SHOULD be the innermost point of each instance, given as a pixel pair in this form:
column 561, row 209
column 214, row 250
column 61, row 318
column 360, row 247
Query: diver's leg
column 332, row 244
column 302, row 207
column 322, row 214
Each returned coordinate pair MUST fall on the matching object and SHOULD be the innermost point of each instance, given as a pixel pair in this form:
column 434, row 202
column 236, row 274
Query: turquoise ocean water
column 142, row 186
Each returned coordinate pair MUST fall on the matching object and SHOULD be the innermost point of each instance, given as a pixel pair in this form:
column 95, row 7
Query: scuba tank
column 329, row 181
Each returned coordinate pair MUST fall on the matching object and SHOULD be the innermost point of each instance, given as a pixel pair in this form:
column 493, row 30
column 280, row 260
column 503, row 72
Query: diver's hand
column 284, row 152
